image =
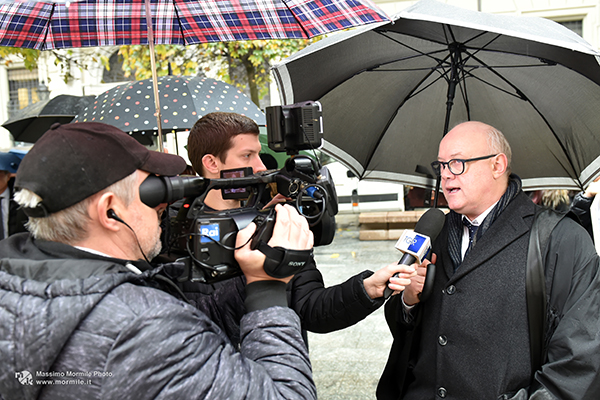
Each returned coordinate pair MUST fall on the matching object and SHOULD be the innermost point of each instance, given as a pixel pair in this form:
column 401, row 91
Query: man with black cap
column 82, row 315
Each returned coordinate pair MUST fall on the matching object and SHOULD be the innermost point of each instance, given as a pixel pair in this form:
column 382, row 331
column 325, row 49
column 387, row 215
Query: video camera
column 205, row 239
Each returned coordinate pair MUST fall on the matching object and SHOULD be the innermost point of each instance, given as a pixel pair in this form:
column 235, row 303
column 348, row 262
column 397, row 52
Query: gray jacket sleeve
column 185, row 356
column 572, row 368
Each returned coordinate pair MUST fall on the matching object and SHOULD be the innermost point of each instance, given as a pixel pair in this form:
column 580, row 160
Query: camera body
column 295, row 127
column 205, row 239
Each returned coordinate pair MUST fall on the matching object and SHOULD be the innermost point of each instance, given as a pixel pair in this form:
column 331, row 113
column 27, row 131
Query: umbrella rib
column 525, row 98
column 419, row 53
column 408, row 97
column 374, row 67
column 518, row 92
column 179, row 23
column 439, row 66
column 298, row 22
column 49, row 26
column 462, row 86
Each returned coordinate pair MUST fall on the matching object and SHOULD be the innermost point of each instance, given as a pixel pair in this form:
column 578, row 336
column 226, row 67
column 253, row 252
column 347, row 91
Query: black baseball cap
column 71, row 162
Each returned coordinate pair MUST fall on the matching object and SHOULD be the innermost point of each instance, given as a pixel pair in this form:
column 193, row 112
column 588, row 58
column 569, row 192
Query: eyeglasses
column 456, row 166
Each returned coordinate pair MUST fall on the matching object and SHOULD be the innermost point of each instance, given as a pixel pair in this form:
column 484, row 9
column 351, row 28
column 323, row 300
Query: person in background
column 84, row 315
column 470, row 339
column 12, row 219
column 582, row 203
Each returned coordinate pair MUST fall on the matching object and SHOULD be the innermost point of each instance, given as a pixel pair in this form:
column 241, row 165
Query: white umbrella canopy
column 390, row 91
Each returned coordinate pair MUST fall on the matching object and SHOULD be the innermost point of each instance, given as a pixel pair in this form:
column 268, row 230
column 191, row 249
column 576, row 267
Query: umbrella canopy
column 391, row 91
column 53, row 25
column 183, row 100
column 31, row 122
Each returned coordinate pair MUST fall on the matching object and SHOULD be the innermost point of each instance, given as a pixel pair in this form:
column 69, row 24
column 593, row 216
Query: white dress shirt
column 476, row 222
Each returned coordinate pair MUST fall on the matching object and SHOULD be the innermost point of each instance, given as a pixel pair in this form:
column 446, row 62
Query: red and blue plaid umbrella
column 92, row 23
column 97, row 23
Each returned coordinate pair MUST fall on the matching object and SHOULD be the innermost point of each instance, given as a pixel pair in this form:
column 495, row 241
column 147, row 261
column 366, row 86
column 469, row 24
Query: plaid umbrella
column 92, row 23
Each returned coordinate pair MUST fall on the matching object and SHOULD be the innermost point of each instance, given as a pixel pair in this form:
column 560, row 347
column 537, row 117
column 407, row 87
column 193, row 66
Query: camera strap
column 281, row 263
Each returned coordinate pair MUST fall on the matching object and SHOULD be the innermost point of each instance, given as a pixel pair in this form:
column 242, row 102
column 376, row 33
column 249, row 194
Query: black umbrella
column 183, row 100
column 391, row 91
column 31, row 122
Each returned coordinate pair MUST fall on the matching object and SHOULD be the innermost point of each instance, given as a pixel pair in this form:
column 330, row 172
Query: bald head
column 483, row 181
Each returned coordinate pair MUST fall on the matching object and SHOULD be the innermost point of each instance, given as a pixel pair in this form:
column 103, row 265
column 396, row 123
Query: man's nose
column 445, row 172
column 258, row 165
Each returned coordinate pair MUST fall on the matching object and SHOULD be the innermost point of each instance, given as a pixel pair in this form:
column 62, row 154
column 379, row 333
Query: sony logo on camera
column 296, row 263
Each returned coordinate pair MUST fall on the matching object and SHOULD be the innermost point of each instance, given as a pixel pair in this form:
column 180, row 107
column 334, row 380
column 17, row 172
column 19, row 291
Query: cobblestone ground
column 347, row 364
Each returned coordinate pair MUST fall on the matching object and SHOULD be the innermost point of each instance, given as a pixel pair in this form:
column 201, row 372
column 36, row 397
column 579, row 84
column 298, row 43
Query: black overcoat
column 470, row 339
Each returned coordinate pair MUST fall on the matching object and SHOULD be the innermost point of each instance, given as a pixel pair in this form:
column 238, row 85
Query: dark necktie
column 472, row 232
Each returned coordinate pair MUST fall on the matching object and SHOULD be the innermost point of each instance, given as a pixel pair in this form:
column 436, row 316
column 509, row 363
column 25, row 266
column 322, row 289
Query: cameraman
column 220, row 141
column 84, row 312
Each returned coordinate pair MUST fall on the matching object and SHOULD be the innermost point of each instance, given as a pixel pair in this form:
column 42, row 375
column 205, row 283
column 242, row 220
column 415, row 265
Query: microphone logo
column 415, row 244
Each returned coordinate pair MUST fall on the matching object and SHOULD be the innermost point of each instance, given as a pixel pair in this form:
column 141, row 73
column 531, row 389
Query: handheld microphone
column 416, row 246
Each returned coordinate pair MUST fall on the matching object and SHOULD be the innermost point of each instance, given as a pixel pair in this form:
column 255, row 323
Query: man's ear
column 211, row 164
column 106, row 202
column 500, row 165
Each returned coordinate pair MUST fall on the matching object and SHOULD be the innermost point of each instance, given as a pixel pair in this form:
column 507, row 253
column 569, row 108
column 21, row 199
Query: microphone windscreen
column 430, row 224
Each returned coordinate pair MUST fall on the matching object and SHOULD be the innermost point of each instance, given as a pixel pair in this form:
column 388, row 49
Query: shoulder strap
column 545, row 220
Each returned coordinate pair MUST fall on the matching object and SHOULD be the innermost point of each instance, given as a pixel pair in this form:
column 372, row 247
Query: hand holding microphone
column 416, row 246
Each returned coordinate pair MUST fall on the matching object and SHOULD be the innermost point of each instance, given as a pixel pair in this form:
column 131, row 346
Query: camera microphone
column 416, row 246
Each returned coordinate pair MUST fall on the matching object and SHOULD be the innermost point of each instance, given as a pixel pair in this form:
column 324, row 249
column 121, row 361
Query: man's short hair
column 70, row 225
column 212, row 134
column 498, row 144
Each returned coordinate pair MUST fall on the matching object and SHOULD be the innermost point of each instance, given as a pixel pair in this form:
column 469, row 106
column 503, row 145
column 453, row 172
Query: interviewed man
column 471, row 338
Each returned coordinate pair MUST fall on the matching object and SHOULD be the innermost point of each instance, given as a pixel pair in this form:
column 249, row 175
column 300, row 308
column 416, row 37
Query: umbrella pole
column 154, row 74
column 454, row 54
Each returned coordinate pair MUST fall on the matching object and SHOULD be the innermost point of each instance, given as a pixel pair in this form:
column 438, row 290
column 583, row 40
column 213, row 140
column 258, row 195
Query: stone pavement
column 347, row 363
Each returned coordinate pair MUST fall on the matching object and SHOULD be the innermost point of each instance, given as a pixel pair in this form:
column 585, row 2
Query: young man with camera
column 83, row 315
column 223, row 141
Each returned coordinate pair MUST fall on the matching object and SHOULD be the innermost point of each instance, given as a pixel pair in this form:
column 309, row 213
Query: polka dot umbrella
column 183, row 100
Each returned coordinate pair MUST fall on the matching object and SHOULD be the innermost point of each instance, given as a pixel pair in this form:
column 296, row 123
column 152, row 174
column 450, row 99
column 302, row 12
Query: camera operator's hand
column 291, row 231
column 279, row 198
